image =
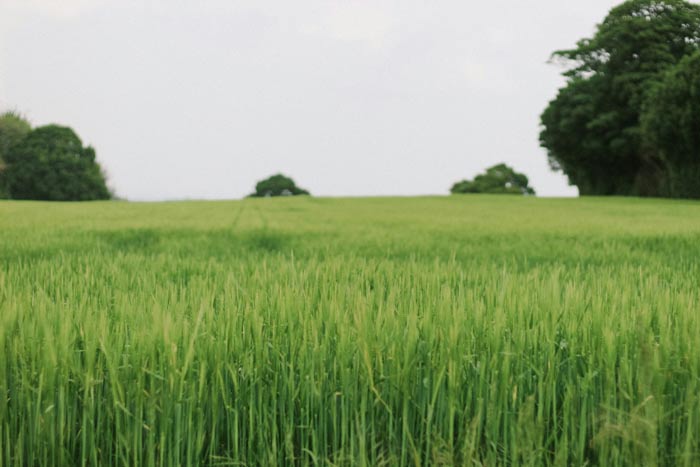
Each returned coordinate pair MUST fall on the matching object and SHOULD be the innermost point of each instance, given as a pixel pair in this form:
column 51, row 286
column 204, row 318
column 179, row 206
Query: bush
column 499, row 179
column 277, row 185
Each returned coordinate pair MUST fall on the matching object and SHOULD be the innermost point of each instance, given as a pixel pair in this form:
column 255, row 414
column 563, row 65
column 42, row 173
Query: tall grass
column 446, row 331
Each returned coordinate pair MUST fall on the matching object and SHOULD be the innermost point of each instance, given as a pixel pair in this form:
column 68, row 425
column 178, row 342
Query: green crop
column 469, row 330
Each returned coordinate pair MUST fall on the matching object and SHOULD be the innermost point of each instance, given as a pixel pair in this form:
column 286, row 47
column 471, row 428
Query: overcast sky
column 200, row 99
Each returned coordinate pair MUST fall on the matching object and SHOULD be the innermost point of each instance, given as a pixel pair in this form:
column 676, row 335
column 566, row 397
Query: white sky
column 200, row 99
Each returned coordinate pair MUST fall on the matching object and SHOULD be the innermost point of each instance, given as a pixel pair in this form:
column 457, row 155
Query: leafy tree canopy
column 51, row 164
column 671, row 123
column 592, row 130
column 497, row 179
column 13, row 128
column 277, row 185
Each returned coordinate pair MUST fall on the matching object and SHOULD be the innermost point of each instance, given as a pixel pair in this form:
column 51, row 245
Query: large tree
column 592, row 130
column 13, row 129
column 50, row 163
column 499, row 179
column 671, row 123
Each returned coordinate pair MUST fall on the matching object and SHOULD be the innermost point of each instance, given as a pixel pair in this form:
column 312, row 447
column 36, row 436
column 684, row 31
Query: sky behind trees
column 186, row 99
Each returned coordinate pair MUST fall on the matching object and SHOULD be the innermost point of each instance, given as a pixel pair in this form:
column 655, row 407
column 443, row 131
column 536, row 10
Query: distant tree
column 13, row 128
column 671, row 123
column 497, row 179
column 50, row 163
column 592, row 129
column 277, row 185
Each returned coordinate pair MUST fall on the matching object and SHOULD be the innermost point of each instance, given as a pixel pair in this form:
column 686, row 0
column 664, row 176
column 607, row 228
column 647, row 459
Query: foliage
column 497, row 179
column 671, row 122
column 13, row 128
column 277, row 185
column 424, row 331
column 51, row 164
column 592, row 129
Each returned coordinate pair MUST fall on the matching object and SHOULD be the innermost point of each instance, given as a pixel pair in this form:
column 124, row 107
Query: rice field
column 452, row 331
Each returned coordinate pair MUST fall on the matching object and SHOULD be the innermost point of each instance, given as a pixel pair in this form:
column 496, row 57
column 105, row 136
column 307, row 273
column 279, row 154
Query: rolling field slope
column 473, row 330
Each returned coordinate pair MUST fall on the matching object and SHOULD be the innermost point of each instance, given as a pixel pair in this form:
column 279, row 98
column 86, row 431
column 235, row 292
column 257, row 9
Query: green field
column 469, row 330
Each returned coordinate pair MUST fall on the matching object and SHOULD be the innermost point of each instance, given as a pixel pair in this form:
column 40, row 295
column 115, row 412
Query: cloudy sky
column 200, row 99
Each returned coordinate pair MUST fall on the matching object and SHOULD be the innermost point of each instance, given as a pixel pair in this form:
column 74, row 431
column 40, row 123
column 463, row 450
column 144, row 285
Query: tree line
column 50, row 163
column 627, row 122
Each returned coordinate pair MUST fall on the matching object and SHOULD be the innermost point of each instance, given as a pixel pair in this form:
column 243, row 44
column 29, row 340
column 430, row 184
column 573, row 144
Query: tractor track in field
column 264, row 222
column 237, row 217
